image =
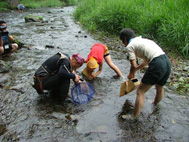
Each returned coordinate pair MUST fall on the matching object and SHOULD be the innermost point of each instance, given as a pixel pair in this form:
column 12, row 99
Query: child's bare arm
column 1, row 41
column 11, row 38
column 99, row 71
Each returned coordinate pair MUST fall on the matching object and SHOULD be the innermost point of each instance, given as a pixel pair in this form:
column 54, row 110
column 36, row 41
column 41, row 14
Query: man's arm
column 143, row 64
column 64, row 73
column 133, row 69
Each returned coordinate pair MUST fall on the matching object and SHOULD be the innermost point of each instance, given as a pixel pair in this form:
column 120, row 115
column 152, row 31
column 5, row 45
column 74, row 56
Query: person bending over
column 158, row 71
column 20, row 8
column 55, row 74
column 97, row 54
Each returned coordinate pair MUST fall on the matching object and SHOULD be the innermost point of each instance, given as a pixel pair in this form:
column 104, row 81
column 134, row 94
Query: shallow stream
column 27, row 117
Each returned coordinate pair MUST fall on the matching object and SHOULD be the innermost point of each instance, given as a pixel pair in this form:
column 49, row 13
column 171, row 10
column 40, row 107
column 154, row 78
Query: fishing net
column 82, row 92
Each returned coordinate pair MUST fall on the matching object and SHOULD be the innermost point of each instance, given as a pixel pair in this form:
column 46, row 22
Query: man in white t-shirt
column 158, row 71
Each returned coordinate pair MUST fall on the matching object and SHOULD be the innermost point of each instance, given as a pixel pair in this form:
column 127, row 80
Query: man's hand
column 133, row 69
column 77, row 77
column 130, row 76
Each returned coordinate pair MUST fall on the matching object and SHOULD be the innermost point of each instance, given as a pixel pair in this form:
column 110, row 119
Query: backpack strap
column 62, row 56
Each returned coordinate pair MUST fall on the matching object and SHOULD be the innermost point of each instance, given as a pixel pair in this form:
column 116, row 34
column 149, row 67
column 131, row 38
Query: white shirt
column 143, row 48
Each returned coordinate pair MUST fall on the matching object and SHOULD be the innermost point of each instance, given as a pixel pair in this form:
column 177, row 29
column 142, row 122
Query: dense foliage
column 3, row 5
column 40, row 3
column 47, row 3
column 166, row 21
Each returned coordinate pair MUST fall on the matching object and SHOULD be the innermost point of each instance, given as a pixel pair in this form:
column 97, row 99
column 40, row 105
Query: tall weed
column 47, row 3
column 164, row 20
column 41, row 3
column 3, row 5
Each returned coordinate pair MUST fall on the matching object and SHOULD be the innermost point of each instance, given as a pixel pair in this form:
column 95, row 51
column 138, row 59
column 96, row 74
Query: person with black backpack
column 55, row 74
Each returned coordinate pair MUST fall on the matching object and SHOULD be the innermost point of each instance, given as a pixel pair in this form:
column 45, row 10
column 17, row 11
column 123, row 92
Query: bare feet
column 128, row 117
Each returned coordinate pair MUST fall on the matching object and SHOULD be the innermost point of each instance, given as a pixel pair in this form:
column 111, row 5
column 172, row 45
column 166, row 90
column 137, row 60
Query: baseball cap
column 91, row 66
column 92, row 63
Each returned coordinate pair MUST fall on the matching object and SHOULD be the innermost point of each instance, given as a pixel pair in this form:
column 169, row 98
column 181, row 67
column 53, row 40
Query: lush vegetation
column 40, row 3
column 166, row 21
column 3, row 5
column 47, row 3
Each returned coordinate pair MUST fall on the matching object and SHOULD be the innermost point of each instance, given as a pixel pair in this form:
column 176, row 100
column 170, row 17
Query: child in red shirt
column 97, row 54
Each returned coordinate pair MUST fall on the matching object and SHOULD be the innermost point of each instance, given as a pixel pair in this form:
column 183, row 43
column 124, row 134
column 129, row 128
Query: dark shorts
column 158, row 71
column 7, row 49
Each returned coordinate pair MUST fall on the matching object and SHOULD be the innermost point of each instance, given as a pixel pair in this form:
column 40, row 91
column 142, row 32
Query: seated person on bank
column 97, row 54
column 6, row 49
column 55, row 74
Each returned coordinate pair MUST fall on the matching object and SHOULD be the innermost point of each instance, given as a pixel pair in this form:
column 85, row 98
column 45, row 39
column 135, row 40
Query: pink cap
column 78, row 58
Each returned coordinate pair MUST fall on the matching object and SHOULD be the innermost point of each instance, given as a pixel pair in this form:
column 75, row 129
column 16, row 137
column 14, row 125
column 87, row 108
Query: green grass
column 47, row 3
column 165, row 21
column 3, row 6
column 40, row 3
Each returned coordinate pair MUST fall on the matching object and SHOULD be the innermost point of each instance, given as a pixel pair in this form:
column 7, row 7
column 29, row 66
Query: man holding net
column 55, row 74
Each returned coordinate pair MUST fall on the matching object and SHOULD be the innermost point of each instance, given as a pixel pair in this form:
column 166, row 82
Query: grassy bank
column 47, row 3
column 165, row 21
column 40, row 3
column 3, row 5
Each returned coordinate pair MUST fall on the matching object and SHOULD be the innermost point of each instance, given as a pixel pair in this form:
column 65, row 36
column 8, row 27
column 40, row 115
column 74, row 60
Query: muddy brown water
column 27, row 117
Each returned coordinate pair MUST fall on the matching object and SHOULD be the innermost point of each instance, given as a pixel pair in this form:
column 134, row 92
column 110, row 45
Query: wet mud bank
column 25, row 116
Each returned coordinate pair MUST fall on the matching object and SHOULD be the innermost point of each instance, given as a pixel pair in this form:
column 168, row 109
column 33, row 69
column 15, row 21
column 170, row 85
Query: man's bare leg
column 139, row 102
column 159, row 94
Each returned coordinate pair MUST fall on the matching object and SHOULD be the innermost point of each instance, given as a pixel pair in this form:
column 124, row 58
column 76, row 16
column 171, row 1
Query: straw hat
column 91, row 66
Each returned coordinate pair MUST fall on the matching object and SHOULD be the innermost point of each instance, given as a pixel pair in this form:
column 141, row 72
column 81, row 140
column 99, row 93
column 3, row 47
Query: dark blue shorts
column 158, row 71
column 7, row 49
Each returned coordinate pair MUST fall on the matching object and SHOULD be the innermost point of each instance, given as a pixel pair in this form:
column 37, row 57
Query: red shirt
column 97, row 52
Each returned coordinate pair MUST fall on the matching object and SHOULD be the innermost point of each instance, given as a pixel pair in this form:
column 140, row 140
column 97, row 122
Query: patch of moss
column 34, row 16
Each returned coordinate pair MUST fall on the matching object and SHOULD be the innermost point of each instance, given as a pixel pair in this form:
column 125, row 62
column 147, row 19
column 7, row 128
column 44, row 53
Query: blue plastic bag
column 82, row 92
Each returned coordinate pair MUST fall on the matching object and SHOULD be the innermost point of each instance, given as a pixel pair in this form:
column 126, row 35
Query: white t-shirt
column 143, row 48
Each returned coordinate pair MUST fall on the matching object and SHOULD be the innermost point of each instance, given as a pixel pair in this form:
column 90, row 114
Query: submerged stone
column 33, row 18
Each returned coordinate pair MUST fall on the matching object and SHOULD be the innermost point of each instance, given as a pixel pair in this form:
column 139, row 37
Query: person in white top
column 158, row 71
